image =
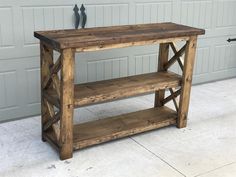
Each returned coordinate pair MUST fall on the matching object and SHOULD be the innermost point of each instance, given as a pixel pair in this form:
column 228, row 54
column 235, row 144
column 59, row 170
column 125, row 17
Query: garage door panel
column 224, row 17
column 19, row 87
column 6, row 27
column 225, row 13
column 61, row 17
column 33, row 85
column 197, row 13
column 9, row 89
column 31, row 92
column 107, row 14
column 224, row 57
column 221, row 60
column 45, row 18
column 151, row 12
column 7, row 36
column 202, row 62
column 39, row 17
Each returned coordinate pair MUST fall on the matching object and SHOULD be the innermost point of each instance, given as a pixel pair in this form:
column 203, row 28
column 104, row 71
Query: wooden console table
column 59, row 95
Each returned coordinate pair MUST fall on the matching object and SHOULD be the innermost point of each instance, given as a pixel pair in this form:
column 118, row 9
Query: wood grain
column 180, row 59
column 175, row 58
column 114, row 37
column 108, row 90
column 100, row 131
column 187, row 81
column 162, row 61
column 45, row 59
column 67, row 104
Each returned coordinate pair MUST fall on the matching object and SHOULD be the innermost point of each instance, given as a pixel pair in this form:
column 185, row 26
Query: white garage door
column 19, row 51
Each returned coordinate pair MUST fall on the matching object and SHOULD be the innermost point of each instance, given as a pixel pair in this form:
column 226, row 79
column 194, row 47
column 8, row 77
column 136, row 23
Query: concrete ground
column 206, row 148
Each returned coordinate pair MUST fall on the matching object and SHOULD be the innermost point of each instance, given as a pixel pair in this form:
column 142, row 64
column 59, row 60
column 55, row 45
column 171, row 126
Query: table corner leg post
column 162, row 60
column 67, row 104
column 186, row 82
column 46, row 54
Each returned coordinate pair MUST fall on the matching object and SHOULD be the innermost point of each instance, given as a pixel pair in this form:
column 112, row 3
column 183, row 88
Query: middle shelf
column 113, row 89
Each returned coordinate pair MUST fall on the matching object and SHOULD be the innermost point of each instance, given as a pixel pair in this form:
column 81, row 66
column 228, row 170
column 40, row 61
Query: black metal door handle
column 230, row 40
column 77, row 16
column 83, row 16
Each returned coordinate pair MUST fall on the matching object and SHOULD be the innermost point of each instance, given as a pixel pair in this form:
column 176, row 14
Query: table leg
column 46, row 58
column 186, row 82
column 67, row 104
column 162, row 60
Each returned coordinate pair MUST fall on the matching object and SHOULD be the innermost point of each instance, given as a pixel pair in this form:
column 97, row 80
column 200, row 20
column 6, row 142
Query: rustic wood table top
column 128, row 35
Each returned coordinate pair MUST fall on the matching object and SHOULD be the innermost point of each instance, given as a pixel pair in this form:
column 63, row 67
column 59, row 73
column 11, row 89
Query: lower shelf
column 91, row 133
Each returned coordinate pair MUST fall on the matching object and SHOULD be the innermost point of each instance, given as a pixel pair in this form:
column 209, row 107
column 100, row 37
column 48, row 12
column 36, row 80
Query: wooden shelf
column 102, row 91
column 104, row 130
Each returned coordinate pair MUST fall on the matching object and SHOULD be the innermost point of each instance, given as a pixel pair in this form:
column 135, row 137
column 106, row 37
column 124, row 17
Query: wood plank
column 176, row 104
column 100, row 131
column 108, row 90
column 45, row 60
column 172, row 96
column 180, row 59
column 187, row 81
column 64, row 33
column 67, row 104
column 51, row 97
column 53, row 70
column 177, row 55
column 162, row 60
column 103, row 46
column 56, row 84
column 107, row 37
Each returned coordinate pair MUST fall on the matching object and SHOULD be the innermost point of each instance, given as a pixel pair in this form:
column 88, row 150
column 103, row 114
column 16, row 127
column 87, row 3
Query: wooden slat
column 91, row 32
column 176, row 104
column 180, row 60
column 187, row 81
column 100, row 131
column 102, row 46
column 172, row 96
column 175, row 57
column 67, row 104
column 56, row 84
column 162, row 60
column 52, row 121
column 53, row 70
column 101, row 91
column 105, row 37
column 51, row 97
column 45, row 59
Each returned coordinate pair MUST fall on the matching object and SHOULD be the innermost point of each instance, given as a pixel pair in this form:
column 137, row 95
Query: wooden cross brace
column 52, row 76
column 52, row 120
column 173, row 96
column 50, row 82
column 179, row 59
column 166, row 65
column 176, row 57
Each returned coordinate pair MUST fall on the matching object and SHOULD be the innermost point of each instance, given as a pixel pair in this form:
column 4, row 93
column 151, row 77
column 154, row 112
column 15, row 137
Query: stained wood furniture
column 59, row 95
